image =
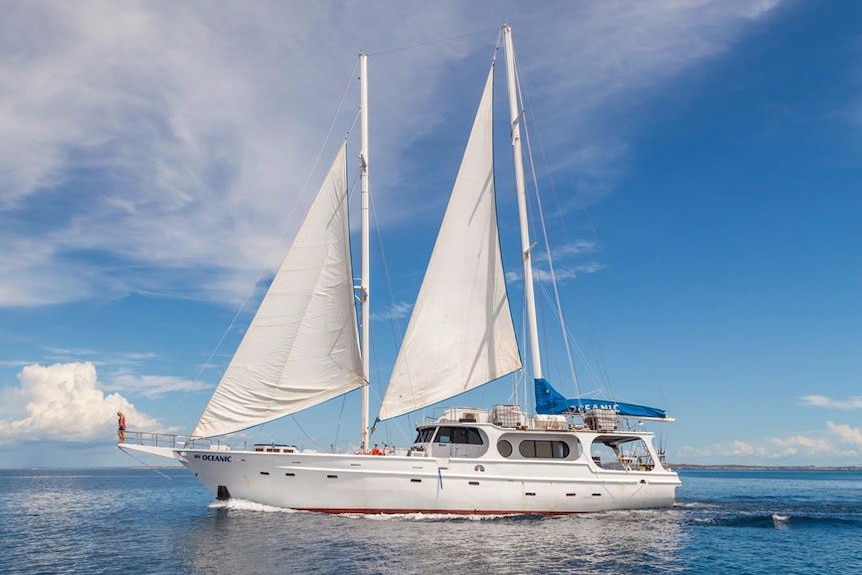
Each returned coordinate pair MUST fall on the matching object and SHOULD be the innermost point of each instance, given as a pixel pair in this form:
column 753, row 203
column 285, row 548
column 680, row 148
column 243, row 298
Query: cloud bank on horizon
column 838, row 439
column 65, row 403
column 157, row 148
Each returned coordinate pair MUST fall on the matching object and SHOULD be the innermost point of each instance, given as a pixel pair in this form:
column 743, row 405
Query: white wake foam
column 694, row 505
column 245, row 505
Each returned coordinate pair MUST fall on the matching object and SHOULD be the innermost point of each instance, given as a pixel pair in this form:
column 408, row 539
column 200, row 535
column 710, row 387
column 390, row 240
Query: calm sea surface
column 135, row 521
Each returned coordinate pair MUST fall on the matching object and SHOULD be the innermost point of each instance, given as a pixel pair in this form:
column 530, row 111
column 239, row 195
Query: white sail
column 460, row 334
column 302, row 346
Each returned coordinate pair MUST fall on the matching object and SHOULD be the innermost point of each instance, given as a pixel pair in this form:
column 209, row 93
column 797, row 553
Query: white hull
column 336, row 483
column 391, row 484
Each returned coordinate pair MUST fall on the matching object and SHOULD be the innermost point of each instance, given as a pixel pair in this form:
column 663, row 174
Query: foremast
column 364, row 282
column 516, row 114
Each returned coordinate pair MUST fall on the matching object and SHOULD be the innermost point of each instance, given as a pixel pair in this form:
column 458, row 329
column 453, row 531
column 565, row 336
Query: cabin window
column 623, row 454
column 504, row 447
column 543, row 449
column 425, row 434
column 462, row 435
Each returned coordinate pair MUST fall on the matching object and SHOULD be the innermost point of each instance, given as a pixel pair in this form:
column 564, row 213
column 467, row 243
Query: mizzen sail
column 302, row 346
column 460, row 334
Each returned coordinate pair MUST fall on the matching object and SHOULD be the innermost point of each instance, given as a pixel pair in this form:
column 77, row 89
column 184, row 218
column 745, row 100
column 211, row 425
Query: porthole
column 504, row 447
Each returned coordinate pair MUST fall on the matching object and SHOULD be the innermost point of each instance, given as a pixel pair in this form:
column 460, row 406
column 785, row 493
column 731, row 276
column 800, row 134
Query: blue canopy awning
column 549, row 401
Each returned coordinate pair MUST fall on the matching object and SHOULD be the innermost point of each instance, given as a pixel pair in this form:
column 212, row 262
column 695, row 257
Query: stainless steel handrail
column 171, row 440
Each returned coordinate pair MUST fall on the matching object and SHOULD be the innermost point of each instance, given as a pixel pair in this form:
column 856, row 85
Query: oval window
column 504, row 447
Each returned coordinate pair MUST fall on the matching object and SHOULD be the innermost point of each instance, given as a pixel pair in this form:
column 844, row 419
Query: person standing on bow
column 121, row 427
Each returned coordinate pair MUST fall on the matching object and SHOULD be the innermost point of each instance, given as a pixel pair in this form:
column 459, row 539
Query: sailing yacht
column 303, row 347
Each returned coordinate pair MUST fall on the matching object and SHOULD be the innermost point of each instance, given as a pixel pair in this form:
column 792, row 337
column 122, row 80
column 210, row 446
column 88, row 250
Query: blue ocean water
column 142, row 522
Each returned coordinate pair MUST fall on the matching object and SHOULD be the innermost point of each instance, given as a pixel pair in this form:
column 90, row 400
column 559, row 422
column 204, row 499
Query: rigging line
column 383, row 261
column 381, row 252
column 340, row 417
column 396, row 333
column 145, row 464
column 406, row 436
column 557, row 301
column 497, row 47
column 351, row 189
column 431, row 42
column 296, row 421
column 602, row 367
column 287, row 222
column 353, row 124
column 353, row 78
column 568, row 333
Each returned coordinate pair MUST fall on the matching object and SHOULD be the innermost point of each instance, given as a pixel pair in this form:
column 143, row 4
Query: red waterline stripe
column 433, row 511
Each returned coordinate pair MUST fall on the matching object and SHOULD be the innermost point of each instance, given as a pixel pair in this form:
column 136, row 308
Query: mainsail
column 302, row 346
column 460, row 334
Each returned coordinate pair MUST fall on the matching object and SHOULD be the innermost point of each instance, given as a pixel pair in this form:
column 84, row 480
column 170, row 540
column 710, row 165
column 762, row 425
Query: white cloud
column 120, row 361
column 541, row 274
column 854, row 402
column 801, row 447
column 851, row 435
column 395, row 311
column 743, row 448
column 62, row 351
column 562, row 273
column 15, row 362
column 152, row 386
column 804, row 444
column 576, row 248
column 162, row 147
column 567, row 262
column 65, row 402
column 569, row 250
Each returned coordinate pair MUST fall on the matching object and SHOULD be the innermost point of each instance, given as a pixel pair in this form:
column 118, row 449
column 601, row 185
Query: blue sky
column 698, row 162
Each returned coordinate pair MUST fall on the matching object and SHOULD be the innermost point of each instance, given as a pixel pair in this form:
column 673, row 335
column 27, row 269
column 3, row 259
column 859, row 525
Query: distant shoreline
column 730, row 467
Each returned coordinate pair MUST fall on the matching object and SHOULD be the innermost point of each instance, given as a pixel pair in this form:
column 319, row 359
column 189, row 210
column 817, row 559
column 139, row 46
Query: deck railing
column 178, row 441
column 171, row 440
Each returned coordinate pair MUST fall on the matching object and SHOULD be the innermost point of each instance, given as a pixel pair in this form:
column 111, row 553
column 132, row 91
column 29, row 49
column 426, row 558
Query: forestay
column 461, row 333
column 302, row 346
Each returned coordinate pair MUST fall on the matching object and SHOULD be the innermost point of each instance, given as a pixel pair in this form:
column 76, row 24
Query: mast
column 526, row 247
column 364, row 293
